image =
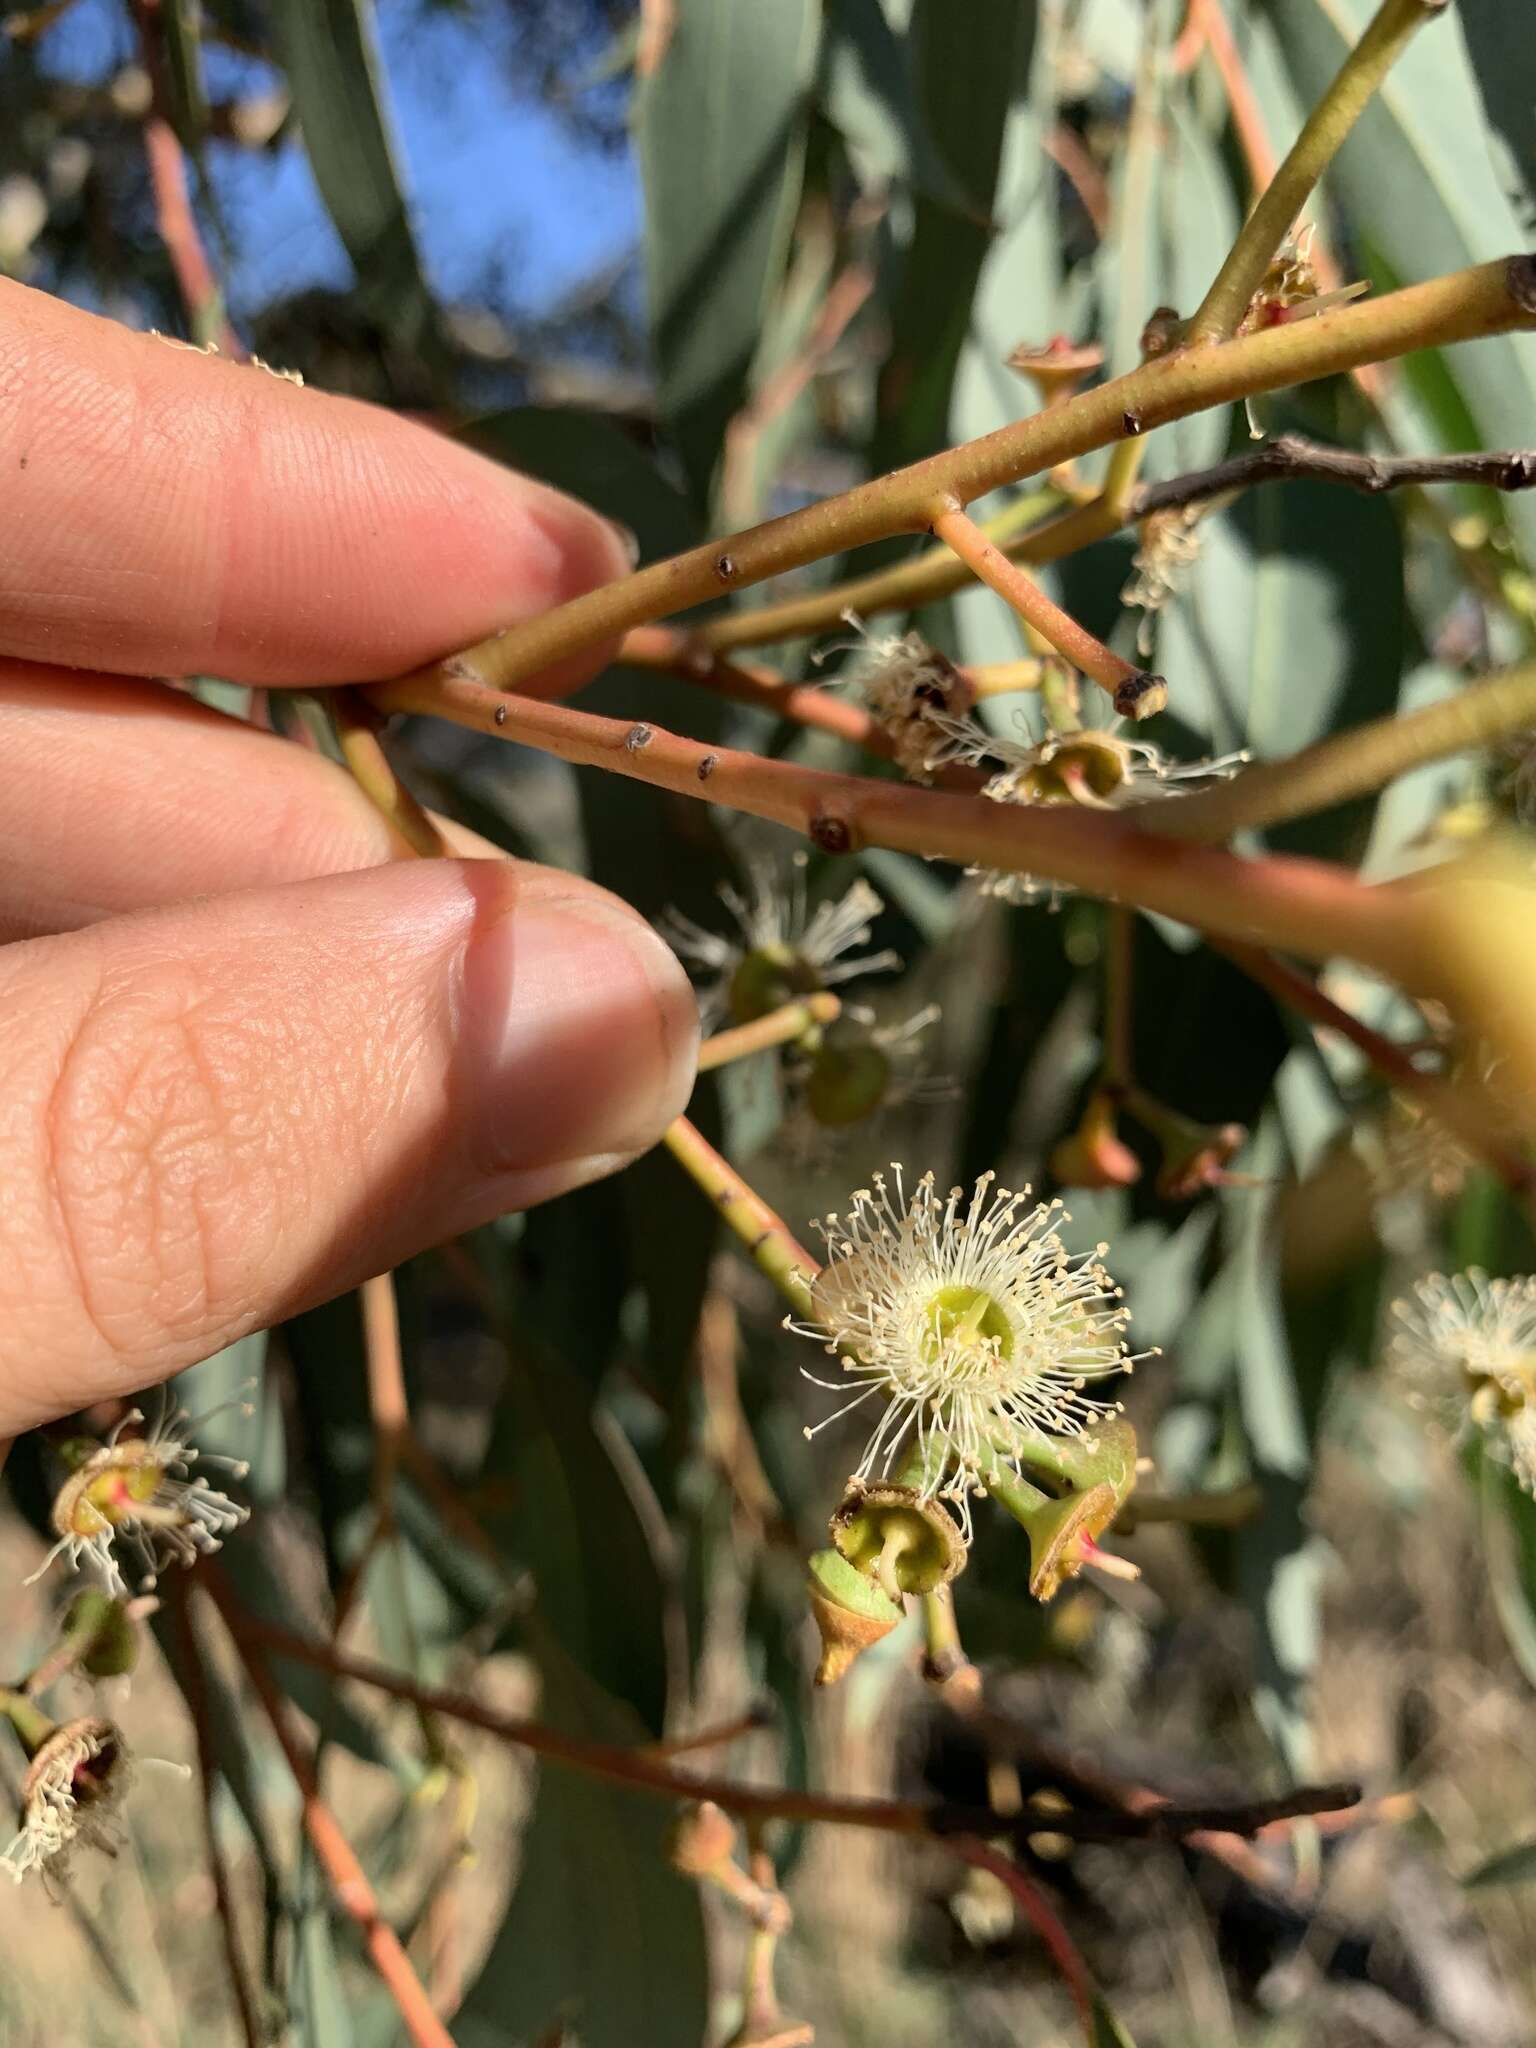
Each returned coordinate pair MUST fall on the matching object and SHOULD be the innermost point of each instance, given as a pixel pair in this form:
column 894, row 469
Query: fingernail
column 580, row 1032
column 627, row 538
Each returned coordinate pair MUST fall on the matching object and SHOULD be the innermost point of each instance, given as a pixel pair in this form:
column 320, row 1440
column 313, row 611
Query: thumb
column 219, row 1113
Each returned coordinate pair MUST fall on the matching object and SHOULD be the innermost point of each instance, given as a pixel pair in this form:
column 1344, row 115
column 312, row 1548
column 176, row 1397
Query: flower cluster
column 1466, row 1350
column 971, row 1320
column 139, row 1494
column 783, row 948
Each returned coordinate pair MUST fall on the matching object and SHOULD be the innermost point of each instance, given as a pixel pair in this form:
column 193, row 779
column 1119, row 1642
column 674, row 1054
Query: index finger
column 163, row 512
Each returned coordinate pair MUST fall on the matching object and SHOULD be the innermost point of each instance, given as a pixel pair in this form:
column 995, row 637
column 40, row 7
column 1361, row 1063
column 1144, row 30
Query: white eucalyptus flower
column 139, row 1494
column 971, row 1321
column 782, row 948
column 1094, row 767
column 1466, row 1350
column 69, row 1798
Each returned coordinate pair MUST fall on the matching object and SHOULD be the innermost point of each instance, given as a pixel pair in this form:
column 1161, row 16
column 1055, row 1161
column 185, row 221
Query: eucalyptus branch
column 680, row 653
column 1386, row 37
column 937, row 573
column 922, row 579
column 780, row 1027
column 1135, row 693
column 1492, row 298
column 1300, row 905
column 1454, row 1107
column 1292, row 458
column 686, row 655
column 357, row 733
column 766, row 1236
column 1355, row 763
column 349, row 1885
column 1154, row 1818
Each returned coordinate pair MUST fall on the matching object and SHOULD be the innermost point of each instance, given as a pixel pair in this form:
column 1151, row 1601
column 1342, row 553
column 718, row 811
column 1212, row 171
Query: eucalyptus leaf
column 720, row 134
column 601, row 1936
column 330, row 52
column 1418, row 184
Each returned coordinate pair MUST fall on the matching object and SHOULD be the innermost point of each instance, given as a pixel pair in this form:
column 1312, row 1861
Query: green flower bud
column 1103, row 1455
column 847, row 1083
column 767, row 978
column 104, row 1640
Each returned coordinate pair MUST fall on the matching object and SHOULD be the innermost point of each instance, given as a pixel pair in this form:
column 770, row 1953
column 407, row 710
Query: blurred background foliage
column 795, row 252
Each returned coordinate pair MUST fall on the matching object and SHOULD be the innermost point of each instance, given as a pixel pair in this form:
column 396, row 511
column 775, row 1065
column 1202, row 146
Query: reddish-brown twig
column 174, row 218
column 1281, row 900
column 195, row 1685
column 1135, row 694
column 1041, row 1915
column 348, row 1883
column 680, row 653
column 845, row 296
column 1136, row 1815
column 1446, row 1103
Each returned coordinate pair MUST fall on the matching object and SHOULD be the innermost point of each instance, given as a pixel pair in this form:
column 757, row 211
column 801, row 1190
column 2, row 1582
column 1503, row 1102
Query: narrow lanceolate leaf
column 601, row 1939
column 572, row 1522
column 869, row 94
column 1291, row 626
column 329, row 52
column 720, row 129
column 1421, row 190
column 973, row 67
column 184, row 73
column 1504, row 66
column 1510, row 1866
column 319, row 2007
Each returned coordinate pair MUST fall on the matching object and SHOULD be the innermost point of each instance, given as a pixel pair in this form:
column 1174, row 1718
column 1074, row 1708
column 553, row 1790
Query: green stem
column 1489, row 299
column 1361, row 74
column 908, row 585
column 766, row 1236
column 33, row 1727
column 1353, row 764
column 934, row 574
column 358, row 736
column 786, row 1026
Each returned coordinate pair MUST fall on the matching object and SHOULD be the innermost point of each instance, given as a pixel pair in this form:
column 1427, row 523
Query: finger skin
column 163, row 512
column 118, row 796
column 219, row 1113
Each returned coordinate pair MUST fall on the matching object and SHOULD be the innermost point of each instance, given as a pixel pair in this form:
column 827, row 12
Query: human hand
column 244, row 1063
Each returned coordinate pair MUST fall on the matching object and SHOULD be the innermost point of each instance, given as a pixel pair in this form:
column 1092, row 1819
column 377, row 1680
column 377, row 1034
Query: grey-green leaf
column 329, row 52
column 720, row 131
column 600, row 1934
